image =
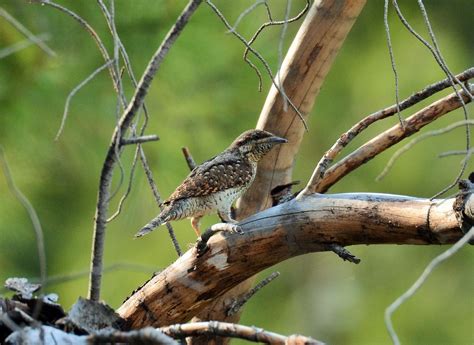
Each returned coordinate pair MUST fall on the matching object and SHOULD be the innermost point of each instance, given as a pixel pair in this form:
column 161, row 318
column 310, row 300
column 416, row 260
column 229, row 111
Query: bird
column 215, row 184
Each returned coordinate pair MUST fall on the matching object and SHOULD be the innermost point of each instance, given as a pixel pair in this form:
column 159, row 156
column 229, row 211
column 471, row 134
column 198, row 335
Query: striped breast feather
column 214, row 176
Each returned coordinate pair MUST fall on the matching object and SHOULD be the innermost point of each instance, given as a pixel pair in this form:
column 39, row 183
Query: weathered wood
column 383, row 141
column 291, row 229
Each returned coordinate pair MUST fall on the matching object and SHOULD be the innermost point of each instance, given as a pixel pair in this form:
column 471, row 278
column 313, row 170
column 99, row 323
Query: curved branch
column 290, row 229
column 383, row 141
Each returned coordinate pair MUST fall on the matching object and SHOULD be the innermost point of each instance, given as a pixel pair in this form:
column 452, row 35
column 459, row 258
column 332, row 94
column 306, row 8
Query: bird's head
column 255, row 143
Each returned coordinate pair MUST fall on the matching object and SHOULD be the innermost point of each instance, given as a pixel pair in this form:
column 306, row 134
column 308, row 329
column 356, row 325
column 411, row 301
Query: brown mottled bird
column 217, row 183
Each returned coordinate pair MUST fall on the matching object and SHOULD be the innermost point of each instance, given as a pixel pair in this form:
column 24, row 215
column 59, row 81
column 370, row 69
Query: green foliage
column 203, row 97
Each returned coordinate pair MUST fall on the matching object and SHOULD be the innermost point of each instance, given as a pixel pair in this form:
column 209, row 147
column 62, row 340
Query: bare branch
column 392, row 60
column 454, row 153
column 421, row 280
column 415, row 141
column 260, row 57
column 260, row 29
column 246, row 12
column 383, row 141
column 355, row 130
column 111, row 159
column 238, row 304
column 139, row 140
column 146, row 335
column 74, row 91
column 189, row 158
column 31, row 212
column 287, row 230
column 224, row 329
column 27, row 33
column 12, row 49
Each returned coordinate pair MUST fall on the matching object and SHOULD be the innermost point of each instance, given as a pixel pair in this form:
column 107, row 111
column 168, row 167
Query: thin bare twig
column 257, row 33
column 139, row 150
column 453, row 153
column 246, row 12
column 31, row 212
column 140, row 140
column 157, row 196
column 148, row 335
column 259, row 56
column 415, row 141
column 111, row 159
column 281, row 42
column 16, row 47
column 73, row 93
column 189, row 158
column 238, row 304
column 421, row 280
column 225, row 329
column 392, row 60
column 27, row 33
column 381, row 142
column 344, row 140
column 441, row 62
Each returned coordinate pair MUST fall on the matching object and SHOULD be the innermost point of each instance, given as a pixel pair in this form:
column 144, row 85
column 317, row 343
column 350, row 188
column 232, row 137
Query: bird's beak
column 277, row 140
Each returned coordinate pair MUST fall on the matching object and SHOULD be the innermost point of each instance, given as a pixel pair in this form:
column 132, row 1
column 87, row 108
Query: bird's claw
column 201, row 244
column 230, row 227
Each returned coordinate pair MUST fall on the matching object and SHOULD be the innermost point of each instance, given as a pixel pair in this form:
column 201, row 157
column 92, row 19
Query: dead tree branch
column 359, row 127
column 383, row 141
column 290, row 229
column 224, row 329
column 111, row 158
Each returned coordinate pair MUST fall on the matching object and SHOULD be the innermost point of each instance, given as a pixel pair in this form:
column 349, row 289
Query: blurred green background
column 204, row 96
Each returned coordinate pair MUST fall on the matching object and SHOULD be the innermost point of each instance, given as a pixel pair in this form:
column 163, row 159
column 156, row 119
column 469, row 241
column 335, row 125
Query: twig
column 259, row 56
column 139, row 151
column 232, row 330
column 284, row 28
column 148, row 335
column 32, row 214
column 73, row 93
column 12, row 49
column 421, row 280
column 189, row 158
column 27, row 33
column 238, row 304
column 415, row 141
column 344, row 140
column 383, row 141
column 156, row 194
column 111, row 159
column 246, row 12
column 440, row 60
column 257, row 33
column 139, row 140
column 392, row 59
column 453, row 153
column 343, row 253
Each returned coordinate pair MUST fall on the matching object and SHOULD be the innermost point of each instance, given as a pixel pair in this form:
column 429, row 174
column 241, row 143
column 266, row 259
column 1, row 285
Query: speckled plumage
column 217, row 183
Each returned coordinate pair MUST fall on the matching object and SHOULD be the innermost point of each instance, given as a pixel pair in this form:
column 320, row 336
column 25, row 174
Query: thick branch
column 111, row 157
column 290, row 229
column 383, row 141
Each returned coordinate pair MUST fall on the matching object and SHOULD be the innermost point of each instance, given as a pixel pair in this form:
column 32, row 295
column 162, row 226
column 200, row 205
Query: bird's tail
column 154, row 223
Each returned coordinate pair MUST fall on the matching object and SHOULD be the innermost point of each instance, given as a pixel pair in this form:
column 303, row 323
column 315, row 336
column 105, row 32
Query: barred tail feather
column 156, row 222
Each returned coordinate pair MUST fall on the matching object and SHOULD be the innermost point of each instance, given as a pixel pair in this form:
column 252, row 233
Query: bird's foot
column 201, row 244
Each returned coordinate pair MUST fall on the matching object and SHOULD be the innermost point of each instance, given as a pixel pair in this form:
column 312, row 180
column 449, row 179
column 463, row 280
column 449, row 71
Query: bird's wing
column 219, row 173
